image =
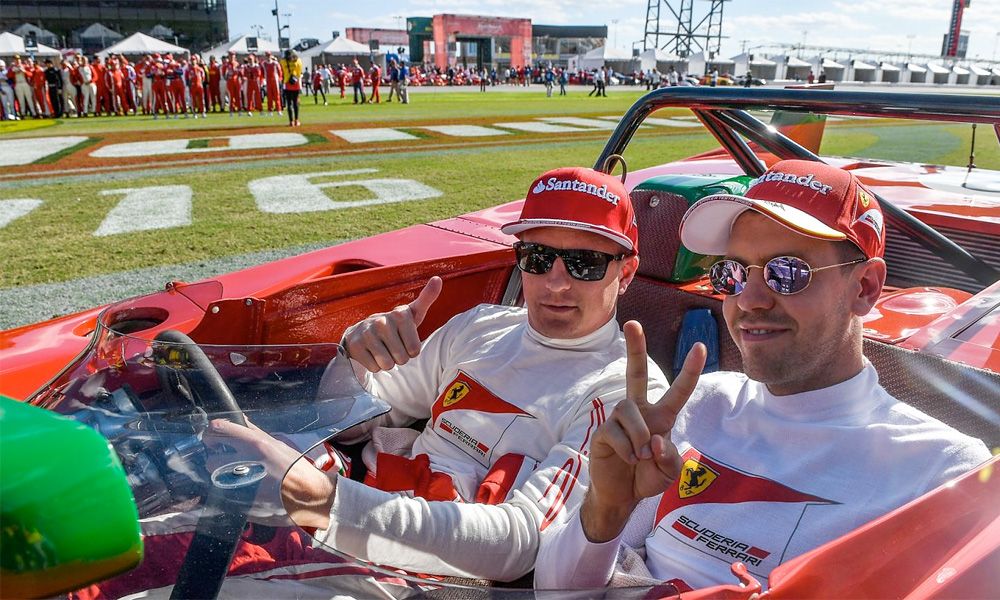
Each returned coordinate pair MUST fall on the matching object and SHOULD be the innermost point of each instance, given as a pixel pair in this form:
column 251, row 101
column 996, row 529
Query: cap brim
column 517, row 227
column 706, row 226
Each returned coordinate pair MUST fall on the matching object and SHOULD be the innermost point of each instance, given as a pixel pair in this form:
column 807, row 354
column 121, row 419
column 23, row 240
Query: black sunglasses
column 786, row 275
column 585, row 265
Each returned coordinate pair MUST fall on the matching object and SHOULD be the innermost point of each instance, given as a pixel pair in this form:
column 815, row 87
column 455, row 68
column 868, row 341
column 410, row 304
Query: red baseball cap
column 811, row 198
column 583, row 199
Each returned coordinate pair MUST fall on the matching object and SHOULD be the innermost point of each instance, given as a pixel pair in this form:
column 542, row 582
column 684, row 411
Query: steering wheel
column 210, row 391
column 224, row 515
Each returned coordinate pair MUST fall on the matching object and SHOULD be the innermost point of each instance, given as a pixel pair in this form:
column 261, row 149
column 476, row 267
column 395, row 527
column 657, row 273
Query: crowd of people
column 178, row 87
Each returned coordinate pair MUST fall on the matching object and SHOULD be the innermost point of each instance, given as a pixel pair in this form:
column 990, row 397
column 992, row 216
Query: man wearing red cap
column 761, row 466
column 512, row 396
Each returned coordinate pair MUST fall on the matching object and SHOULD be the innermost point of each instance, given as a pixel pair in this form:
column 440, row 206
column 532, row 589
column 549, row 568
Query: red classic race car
column 150, row 373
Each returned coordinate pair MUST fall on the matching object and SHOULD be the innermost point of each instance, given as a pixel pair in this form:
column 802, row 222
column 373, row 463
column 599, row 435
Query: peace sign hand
column 387, row 339
column 631, row 456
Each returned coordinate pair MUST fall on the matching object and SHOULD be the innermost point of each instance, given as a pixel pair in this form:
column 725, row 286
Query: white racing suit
column 511, row 414
column 765, row 479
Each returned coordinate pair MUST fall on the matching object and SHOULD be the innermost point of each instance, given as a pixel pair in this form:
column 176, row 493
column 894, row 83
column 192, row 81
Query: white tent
column 661, row 60
column 861, row 71
column 888, row 72
column 13, row 45
column 960, row 75
column 980, row 75
column 239, row 47
column 758, row 66
column 791, row 67
column 341, row 50
column 913, row 73
column 42, row 36
column 615, row 58
column 139, row 44
column 937, row 73
column 96, row 35
column 833, row 70
column 699, row 64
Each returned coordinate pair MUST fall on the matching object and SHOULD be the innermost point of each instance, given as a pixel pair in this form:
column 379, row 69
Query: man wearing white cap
column 512, row 397
column 762, row 466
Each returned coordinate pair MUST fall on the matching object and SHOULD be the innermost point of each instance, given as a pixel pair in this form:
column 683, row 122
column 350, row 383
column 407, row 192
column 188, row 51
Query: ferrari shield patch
column 695, row 478
column 456, row 392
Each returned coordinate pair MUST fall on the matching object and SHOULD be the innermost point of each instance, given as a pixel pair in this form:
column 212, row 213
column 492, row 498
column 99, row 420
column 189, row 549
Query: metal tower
column 690, row 34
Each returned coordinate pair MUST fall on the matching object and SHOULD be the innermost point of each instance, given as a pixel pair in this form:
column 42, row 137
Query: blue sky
column 898, row 25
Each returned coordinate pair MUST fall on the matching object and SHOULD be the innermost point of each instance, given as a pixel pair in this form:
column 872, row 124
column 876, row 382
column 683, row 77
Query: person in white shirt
column 512, row 396
column 763, row 466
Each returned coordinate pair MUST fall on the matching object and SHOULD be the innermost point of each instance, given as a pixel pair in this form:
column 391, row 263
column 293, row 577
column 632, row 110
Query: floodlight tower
column 951, row 47
column 688, row 34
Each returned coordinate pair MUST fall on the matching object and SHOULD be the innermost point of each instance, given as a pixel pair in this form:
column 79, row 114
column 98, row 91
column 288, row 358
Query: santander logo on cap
column 575, row 185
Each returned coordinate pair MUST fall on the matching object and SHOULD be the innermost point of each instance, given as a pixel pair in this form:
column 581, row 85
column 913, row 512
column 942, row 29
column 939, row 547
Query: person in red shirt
column 161, row 100
column 231, row 71
column 342, row 76
column 273, row 78
column 115, row 82
column 358, row 81
column 178, row 90
column 214, row 82
column 145, row 72
column 376, row 75
column 196, row 83
column 317, row 85
column 254, row 75
column 103, row 97
column 36, row 76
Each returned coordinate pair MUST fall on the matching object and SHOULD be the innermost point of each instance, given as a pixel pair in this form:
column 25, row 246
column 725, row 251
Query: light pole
column 909, row 45
column 995, row 41
column 399, row 21
column 614, row 22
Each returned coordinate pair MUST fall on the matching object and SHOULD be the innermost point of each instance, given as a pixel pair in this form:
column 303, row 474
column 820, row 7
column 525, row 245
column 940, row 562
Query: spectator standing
column 255, row 77
column 811, row 78
column 306, row 82
column 215, row 85
column 68, row 89
column 38, row 88
column 393, row 80
column 196, row 77
column 291, row 68
column 231, row 73
column 317, row 87
column 563, row 80
column 404, row 82
column 822, row 76
column 88, row 87
column 342, row 77
column 53, row 81
column 274, row 78
column 602, row 82
column 376, row 75
column 358, row 82
column 6, row 95
column 672, row 77
column 713, row 77
column 324, row 71
column 550, row 80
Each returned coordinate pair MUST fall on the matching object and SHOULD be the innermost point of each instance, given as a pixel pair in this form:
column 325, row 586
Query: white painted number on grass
column 15, row 209
column 28, row 150
column 143, row 209
column 297, row 194
column 257, row 141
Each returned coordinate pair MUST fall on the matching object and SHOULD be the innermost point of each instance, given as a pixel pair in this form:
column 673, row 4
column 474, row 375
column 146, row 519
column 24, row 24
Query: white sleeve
column 568, row 560
column 466, row 540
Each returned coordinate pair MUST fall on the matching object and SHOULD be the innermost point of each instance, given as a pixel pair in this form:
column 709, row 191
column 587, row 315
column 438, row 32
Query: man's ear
column 871, row 278
column 630, row 265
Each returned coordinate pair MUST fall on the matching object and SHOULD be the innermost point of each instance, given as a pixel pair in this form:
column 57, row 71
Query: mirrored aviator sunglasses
column 785, row 275
column 584, row 265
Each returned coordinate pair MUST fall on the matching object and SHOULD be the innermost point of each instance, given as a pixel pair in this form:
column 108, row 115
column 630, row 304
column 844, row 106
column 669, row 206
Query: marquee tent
column 861, row 71
column 937, row 73
column 341, row 50
column 239, row 47
column 791, row 67
column 13, row 45
column 699, row 64
column 888, row 72
column 661, row 60
column 139, row 44
column 616, row 59
column 43, row 36
column 758, row 66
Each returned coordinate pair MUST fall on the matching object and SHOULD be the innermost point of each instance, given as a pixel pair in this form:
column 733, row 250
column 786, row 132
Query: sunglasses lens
column 787, row 274
column 728, row 277
column 586, row 266
column 533, row 259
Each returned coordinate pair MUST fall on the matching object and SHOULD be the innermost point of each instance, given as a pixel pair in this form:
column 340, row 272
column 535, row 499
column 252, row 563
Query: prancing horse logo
column 695, row 478
column 456, row 392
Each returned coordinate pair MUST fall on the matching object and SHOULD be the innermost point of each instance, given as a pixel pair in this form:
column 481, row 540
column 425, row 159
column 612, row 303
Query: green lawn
column 55, row 242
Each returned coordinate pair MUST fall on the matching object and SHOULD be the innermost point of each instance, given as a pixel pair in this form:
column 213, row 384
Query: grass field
column 56, row 241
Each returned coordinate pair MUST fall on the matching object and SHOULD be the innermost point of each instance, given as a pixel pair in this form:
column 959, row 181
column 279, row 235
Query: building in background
column 558, row 44
column 195, row 24
column 386, row 40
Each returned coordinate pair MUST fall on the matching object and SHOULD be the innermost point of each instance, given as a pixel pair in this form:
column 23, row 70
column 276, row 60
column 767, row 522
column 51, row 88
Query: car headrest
column 660, row 203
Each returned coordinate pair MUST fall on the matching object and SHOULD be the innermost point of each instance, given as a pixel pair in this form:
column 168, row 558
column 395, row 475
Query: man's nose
column 756, row 295
column 558, row 278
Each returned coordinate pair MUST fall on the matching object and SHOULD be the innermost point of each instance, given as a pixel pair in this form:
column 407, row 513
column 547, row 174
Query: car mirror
column 68, row 518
